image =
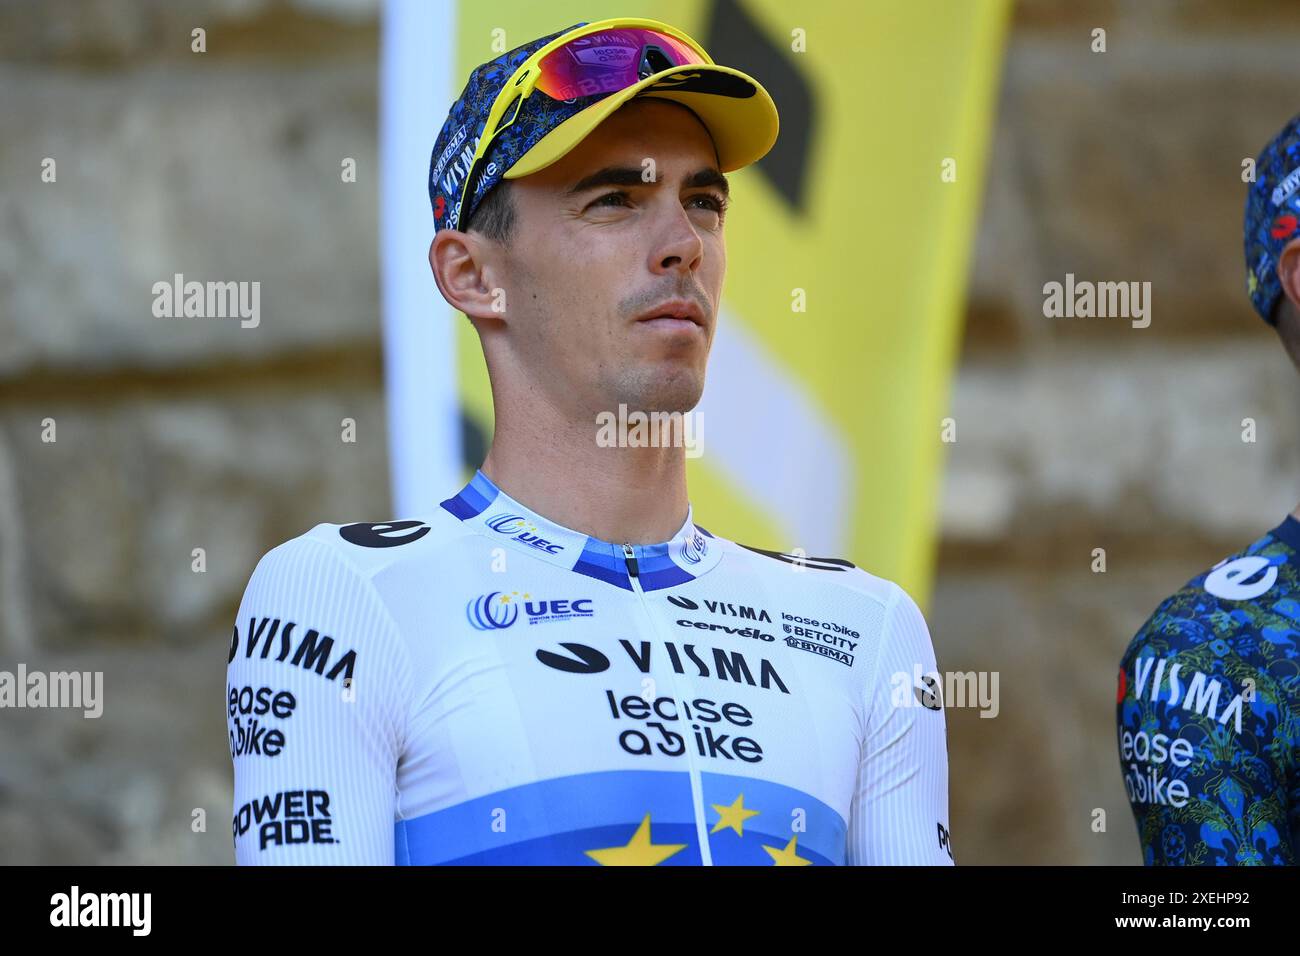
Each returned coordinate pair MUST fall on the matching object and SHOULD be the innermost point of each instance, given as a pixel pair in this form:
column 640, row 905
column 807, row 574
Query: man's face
column 596, row 249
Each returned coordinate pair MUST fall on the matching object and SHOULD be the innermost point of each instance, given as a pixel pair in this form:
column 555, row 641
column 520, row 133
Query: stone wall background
column 1089, row 433
column 1073, row 434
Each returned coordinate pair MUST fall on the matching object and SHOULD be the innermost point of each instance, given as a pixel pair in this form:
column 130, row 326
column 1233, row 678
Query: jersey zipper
column 692, row 771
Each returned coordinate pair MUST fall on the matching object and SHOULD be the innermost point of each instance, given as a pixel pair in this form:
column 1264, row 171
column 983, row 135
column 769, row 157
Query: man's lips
column 678, row 314
column 667, row 323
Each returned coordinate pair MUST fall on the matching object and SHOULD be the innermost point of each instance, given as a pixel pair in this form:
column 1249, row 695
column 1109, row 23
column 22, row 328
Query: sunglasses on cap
column 598, row 59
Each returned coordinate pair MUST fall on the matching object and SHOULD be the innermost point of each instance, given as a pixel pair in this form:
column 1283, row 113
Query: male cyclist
column 559, row 666
column 1208, row 689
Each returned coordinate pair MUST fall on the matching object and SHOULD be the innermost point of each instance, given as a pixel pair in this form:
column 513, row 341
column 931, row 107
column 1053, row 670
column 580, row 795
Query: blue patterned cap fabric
column 1272, row 216
column 454, row 149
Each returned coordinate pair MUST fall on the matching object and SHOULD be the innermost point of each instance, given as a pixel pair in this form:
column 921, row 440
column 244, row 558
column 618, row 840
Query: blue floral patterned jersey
column 1206, row 708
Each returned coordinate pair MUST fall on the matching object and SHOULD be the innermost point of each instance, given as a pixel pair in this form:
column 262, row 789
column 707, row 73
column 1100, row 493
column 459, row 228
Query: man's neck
column 555, row 468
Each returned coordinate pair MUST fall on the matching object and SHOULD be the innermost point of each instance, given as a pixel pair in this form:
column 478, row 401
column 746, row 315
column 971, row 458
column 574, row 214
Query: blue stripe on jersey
column 821, row 837
column 473, row 499
column 563, row 820
column 599, row 559
column 549, row 810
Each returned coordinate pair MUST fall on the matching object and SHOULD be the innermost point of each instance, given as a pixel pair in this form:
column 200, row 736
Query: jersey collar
column 684, row 557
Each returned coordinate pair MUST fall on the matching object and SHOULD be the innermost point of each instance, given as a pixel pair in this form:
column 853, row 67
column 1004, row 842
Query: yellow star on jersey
column 639, row 851
column 787, row 857
column 733, row 816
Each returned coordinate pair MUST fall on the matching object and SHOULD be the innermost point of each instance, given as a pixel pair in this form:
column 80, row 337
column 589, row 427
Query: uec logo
column 694, row 549
column 518, row 528
column 506, row 524
column 487, row 613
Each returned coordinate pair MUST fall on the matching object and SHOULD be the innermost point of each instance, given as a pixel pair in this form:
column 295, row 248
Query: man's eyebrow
column 631, row 176
column 709, row 176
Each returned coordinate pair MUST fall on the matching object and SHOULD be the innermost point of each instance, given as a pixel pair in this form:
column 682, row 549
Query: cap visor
column 738, row 113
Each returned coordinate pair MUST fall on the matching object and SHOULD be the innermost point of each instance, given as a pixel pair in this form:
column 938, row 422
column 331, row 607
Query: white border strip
column 417, row 62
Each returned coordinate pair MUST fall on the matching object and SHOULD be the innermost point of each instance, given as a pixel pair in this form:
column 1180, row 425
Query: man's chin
column 675, row 391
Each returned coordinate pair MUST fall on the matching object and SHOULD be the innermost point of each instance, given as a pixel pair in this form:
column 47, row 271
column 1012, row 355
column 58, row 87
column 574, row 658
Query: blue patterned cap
column 1272, row 216
column 735, row 109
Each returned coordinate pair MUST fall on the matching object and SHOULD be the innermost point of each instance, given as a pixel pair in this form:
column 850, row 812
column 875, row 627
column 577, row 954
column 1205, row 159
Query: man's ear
column 1288, row 271
column 459, row 264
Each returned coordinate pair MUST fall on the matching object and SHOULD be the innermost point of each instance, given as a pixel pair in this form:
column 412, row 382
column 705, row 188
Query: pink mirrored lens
column 607, row 61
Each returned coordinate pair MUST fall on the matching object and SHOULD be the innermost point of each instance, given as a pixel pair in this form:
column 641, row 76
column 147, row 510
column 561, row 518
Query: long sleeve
column 900, row 809
column 1205, row 734
column 316, row 710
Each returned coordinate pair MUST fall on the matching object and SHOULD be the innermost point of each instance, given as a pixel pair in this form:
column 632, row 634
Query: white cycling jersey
column 483, row 686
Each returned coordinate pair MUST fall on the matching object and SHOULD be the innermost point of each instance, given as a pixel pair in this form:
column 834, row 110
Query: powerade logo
column 287, row 818
column 522, row 530
column 945, row 840
column 497, row 611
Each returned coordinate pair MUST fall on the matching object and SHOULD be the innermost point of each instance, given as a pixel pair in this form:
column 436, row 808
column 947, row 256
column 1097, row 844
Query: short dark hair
column 494, row 216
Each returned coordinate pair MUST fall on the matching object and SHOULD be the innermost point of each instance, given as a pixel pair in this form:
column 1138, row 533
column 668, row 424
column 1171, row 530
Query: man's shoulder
column 1243, row 599
column 367, row 548
column 321, row 601
column 799, row 573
